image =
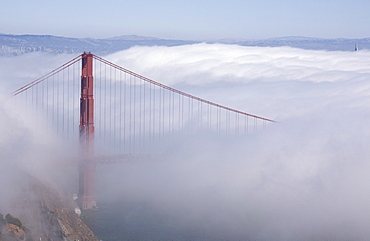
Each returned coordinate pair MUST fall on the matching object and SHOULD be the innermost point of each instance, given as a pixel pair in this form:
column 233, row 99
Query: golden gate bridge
column 122, row 115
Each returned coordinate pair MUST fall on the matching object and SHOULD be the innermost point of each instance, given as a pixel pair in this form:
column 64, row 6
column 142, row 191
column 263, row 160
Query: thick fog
column 303, row 178
column 29, row 148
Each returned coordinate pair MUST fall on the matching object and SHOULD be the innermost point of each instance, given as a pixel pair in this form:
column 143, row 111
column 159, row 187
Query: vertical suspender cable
column 154, row 116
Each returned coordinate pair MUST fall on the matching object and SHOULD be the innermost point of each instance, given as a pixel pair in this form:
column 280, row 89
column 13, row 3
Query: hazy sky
column 190, row 19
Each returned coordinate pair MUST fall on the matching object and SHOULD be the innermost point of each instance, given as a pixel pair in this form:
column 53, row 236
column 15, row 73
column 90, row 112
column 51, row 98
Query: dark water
column 137, row 221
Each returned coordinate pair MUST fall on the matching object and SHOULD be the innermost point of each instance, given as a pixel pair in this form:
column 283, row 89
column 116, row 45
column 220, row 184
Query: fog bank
column 303, row 178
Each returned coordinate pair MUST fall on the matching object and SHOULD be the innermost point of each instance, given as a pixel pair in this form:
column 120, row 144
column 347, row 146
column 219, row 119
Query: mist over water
column 303, row 178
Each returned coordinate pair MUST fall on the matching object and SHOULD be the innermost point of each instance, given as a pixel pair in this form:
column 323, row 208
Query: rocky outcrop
column 11, row 228
column 13, row 232
column 45, row 214
column 60, row 222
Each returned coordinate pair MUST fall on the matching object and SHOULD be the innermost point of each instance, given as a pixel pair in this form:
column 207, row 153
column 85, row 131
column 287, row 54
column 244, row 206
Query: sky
column 187, row 19
column 303, row 178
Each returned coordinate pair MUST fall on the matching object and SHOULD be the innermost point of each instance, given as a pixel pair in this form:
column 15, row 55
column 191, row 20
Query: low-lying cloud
column 303, row 178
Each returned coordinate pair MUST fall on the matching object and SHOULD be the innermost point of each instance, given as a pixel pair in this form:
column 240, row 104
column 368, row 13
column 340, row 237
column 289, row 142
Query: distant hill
column 338, row 44
column 20, row 44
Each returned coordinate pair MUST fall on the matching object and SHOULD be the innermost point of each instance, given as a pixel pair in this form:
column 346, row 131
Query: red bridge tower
column 86, row 165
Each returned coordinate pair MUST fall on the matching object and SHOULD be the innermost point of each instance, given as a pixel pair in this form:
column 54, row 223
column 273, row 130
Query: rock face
column 62, row 223
column 45, row 214
column 13, row 232
column 11, row 228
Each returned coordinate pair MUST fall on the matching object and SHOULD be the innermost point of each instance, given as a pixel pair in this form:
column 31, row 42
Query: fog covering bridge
column 114, row 114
